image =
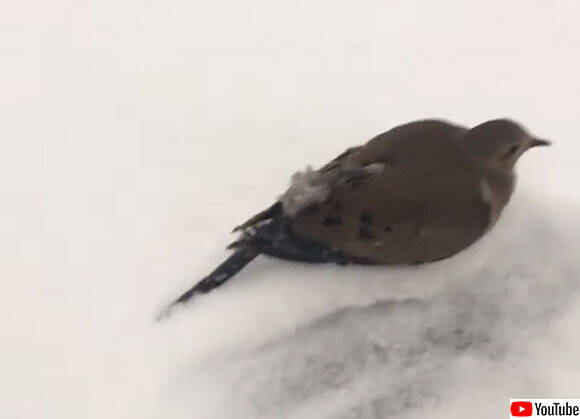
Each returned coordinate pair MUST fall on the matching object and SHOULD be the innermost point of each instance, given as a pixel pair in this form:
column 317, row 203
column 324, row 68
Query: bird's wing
column 400, row 216
column 411, row 144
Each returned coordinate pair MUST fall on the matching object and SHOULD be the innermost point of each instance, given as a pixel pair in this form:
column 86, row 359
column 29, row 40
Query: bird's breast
column 496, row 190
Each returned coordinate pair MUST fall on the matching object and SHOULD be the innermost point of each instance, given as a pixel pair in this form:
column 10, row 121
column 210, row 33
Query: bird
column 417, row 193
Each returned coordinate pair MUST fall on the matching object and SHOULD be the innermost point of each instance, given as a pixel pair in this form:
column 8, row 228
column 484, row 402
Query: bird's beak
column 539, row 142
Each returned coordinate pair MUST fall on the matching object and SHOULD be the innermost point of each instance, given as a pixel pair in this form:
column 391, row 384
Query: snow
column 135, row 135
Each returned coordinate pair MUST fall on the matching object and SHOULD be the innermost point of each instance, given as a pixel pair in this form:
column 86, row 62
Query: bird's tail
column 228, row 268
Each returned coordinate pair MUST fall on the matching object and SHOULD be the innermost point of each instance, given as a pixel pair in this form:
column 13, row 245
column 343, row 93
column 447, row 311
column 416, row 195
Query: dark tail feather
column 270, row 212
column 227, row 269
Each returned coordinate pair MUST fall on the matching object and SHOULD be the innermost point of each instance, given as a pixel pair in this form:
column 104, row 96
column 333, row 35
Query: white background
column 136, row 134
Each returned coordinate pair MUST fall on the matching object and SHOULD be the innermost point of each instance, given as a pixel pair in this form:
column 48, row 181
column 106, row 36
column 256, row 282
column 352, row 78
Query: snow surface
column 136, row 134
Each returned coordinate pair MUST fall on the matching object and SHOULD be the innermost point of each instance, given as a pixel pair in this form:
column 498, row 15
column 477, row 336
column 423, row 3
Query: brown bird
column 420, row 192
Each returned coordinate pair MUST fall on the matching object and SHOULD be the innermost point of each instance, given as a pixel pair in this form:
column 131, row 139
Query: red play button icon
column 521, row 409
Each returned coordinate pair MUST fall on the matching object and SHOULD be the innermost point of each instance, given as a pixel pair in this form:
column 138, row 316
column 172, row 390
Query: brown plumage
column 417, row 193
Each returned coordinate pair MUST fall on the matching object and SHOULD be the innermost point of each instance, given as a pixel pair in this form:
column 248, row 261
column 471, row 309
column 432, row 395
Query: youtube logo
column 521, row 409
column 539, row 408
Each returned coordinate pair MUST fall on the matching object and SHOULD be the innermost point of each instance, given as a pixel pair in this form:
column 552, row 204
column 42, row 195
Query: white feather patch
column 486, row 192
column 307, row 187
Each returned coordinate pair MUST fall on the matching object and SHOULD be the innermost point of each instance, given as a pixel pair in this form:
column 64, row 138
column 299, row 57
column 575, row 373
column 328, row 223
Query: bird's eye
column 510, row 152
column 513, row 149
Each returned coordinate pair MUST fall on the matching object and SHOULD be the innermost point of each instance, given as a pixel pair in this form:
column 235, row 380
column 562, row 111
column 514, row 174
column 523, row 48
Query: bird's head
column 499, row 143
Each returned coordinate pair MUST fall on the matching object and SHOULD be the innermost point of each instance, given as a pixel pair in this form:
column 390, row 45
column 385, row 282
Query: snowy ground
column 136, row 134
